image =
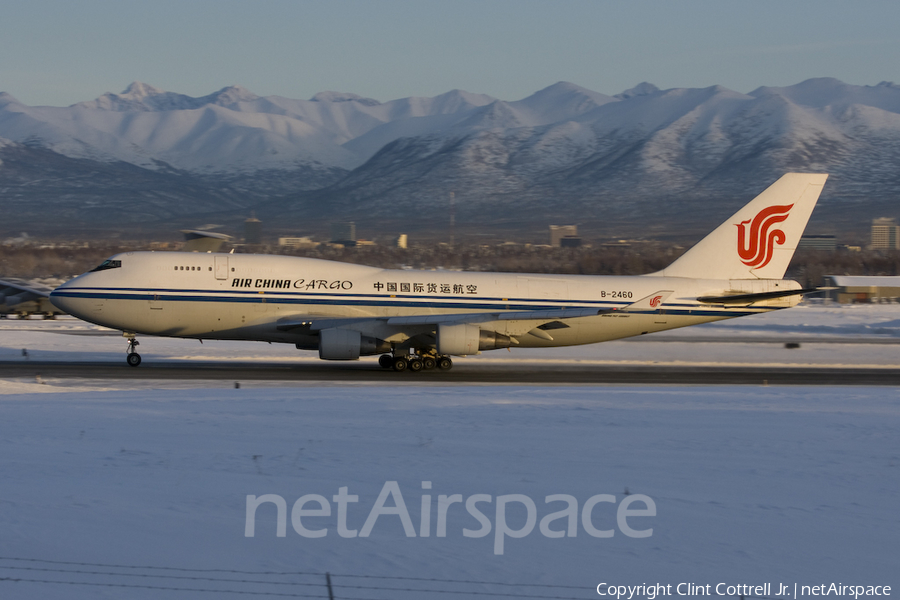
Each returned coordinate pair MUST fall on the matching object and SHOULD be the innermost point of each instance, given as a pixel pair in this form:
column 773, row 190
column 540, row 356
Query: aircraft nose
column 69, row 301
column 59, row 300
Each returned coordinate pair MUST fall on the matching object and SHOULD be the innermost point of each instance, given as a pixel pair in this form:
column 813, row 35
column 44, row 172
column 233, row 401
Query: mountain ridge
column 563, row 152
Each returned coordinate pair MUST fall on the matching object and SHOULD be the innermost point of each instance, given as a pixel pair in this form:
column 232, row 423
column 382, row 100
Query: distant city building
column 818, row 242
column 558, row 232
column 343, row 233
column 402, row 241
column 296, row 242
column 569, row 241
column 857, row 288
column 252, row 231
column 885, row 234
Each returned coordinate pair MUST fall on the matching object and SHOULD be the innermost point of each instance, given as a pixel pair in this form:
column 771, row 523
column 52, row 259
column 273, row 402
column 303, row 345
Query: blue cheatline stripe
column 258, row 298
column 547, row 303
column 381, row 301
column 267, row 293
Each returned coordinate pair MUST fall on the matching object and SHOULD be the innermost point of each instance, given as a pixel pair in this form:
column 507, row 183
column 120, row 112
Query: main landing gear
column 133, row 358
column 415, row 362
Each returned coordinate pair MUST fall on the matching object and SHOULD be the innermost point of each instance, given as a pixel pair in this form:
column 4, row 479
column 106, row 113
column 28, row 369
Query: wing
column 423, row 328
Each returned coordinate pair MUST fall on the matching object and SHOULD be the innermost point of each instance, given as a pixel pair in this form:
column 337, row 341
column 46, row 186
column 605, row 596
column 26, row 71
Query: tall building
column 252, row 231
column 885, row 234
column 343, row 233
column 558, row 232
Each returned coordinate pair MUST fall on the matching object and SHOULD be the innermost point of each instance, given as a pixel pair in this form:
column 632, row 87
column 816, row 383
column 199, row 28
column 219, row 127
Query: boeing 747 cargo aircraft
column 418, row 319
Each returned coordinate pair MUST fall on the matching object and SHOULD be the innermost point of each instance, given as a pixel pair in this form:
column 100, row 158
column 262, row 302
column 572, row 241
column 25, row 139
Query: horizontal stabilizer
column 750, row 298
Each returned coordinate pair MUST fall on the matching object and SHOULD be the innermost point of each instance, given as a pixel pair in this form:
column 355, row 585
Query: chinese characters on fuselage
column 426, row 288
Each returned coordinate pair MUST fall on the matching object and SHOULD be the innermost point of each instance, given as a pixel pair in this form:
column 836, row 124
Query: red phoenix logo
column 756, row 245
column 654, row 302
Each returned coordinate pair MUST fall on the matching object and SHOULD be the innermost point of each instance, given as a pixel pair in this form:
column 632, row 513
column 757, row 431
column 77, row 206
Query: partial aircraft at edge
column 418, row 319
column 23, row 298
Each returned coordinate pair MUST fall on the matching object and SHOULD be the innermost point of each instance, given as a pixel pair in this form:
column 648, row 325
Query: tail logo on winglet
column 654, row 302
column 755, row 244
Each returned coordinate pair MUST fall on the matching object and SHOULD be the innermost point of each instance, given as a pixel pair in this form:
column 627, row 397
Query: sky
column 59, row 52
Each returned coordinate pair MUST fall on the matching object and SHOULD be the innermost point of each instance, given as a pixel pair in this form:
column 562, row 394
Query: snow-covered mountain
column 564, row 152
column 227, row 131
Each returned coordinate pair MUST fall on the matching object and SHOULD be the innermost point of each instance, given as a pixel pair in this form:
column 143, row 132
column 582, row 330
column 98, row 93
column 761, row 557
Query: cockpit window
column 108, row 264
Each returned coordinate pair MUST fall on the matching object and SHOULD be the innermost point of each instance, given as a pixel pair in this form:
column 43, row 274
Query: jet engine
column 461, row 340
column 347, row 344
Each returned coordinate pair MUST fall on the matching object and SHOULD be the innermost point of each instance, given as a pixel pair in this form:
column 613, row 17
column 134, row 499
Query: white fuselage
column 243, row 296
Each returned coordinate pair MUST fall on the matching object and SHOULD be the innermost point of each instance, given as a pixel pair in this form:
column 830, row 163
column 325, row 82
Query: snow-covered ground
column 750, row 485
column 870, row 336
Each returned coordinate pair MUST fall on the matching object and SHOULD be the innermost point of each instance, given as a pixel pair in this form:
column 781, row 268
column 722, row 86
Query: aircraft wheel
column 428, row 363
column 400, row 363
column 444, row 363
column 134, row 359
column 415, row 365
column 386, row 361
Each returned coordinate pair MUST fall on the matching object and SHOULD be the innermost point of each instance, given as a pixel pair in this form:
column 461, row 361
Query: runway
column 561, row 373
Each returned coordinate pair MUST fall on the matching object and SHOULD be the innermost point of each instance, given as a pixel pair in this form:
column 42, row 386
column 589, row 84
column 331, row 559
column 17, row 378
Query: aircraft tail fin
column 760, row 239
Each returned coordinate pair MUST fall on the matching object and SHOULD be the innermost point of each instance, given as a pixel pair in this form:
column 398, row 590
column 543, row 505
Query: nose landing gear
column 132, row 358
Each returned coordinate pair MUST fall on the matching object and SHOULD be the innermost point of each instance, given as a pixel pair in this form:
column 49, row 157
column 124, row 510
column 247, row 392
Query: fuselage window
column 108, row 264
